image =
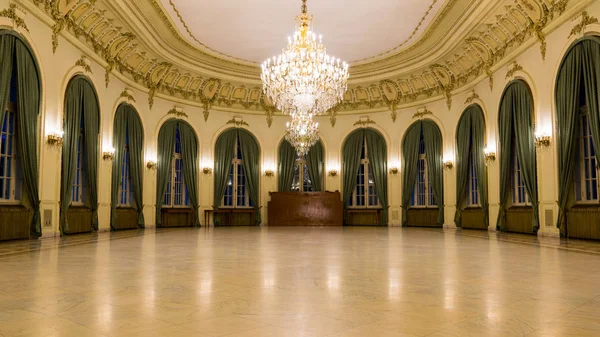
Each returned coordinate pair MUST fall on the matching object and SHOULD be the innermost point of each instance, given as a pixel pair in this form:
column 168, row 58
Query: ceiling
column 353, row 30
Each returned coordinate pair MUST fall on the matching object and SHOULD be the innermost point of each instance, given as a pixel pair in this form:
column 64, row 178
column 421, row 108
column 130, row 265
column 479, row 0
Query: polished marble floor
column 281, row 282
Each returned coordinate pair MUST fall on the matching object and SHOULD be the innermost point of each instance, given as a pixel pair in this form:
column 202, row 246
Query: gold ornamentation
column 332, row 173
column 490, row 156
column 151, row 165
column 394, row 170
column 586, row 20
column 269, row 173
column 270, row 115
column 178, row 112
column 364, row 122
column 82, row 62
column 514, row 68
column 207, row 170
column 238, row 122
column 56, row 29
column 472, row 97
column 422, row 112
column 11, row 13
column 126, row 94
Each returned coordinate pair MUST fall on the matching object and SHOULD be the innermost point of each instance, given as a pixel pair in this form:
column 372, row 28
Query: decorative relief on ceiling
column 11, row 13
column 475, row 55
column 586, row 20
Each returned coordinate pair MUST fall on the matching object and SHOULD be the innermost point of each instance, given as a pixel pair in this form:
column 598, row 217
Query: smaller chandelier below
column 302, row 133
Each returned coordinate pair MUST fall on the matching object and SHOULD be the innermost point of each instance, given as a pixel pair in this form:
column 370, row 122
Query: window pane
column 296, row 181
column 307, row 182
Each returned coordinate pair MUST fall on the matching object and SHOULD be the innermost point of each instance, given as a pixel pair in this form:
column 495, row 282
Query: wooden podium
column 306, row 209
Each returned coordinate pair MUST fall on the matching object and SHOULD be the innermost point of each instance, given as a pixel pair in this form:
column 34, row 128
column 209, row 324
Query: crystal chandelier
column 303, row 79
column 302, row 133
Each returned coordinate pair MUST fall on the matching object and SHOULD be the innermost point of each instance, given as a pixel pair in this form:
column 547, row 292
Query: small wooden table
column 230, row 212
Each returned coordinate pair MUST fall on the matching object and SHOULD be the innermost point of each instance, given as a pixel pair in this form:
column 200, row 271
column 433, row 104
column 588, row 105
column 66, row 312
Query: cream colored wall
column 58, row 68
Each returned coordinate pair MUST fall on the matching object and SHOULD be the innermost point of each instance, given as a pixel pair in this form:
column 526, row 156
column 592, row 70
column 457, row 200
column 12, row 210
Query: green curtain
column 463, row 148
column 433, row 148
column 315, row 159
column 478, row 134
column 80, row 102
column 14, row 52
column 189, row 149
column 127, row 123
column 224, row 152
column 166, row 150
column 516, row 114
column 285, row 166
column 251, row 159
column 377, row 150
column 351, row 164
column 470, row 137
column 136, row 162
column 119, row 136
column 410, row 158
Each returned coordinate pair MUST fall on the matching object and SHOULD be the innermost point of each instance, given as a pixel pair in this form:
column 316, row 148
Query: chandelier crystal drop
column 303, row 79
column 302, row 133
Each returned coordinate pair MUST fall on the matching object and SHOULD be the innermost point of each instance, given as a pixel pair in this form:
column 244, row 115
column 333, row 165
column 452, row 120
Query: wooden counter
column 305, row 209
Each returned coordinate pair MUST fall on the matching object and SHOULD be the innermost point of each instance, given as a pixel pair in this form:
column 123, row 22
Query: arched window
column 578, row 139
column 19, row 135
column 422, row 177
column 10, row 172
column 300, row 173
column 236, row 192
column 236, row 176
column 471, row 184
column 364, row 173
column 177, row 193
column 518, row 167
column 364, row 194
column 79, row 183
column 177, row 176
column 127, row 183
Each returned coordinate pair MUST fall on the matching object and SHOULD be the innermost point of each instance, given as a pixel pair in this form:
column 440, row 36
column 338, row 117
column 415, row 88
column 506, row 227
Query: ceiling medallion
column 303, row 81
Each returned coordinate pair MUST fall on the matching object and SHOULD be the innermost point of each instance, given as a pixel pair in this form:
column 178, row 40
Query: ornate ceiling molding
column 485, row 46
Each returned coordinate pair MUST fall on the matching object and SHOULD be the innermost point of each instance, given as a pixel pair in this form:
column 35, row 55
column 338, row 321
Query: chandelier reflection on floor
column 303, row 82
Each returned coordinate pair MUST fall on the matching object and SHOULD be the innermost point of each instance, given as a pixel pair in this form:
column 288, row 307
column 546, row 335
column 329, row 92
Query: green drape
column 377, row 150
column 410, row 159
column 166, row 150
column 136, row 162
column 351, row 164
column 15, row 53
column 315, row 159
column 580, row 66
column 189, row 156
column 224, row 152
column 81, row 101
column 435, row 162
column 470, row 137
column 251, row 159
column 128, row 123
column 285, row 166
column 516, row 119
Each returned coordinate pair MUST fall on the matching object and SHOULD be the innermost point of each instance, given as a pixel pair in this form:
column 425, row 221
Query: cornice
column 130, row 52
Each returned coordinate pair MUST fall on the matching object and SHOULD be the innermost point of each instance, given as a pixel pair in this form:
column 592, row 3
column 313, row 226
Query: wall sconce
column 332, row 173
column 269, row 173
column 109, row 155
column 151, row 165
column 207, row 170
column 56, row 138
column 542, row 141
column 394, row 170
column 448, row 165
column 490, row 156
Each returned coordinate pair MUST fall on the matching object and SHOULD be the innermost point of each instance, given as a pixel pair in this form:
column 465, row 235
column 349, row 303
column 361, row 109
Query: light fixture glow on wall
column 489, row 156
column 542, row 140
column 151, row 165
column 332, row 173
column 55, row 138
column 448, row 165
column 207, row 170
column 269, row 173
column 109, row 154
column 394, row 170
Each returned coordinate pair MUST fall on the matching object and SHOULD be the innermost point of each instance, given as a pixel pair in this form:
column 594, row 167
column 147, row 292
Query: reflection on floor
column 300, row 282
